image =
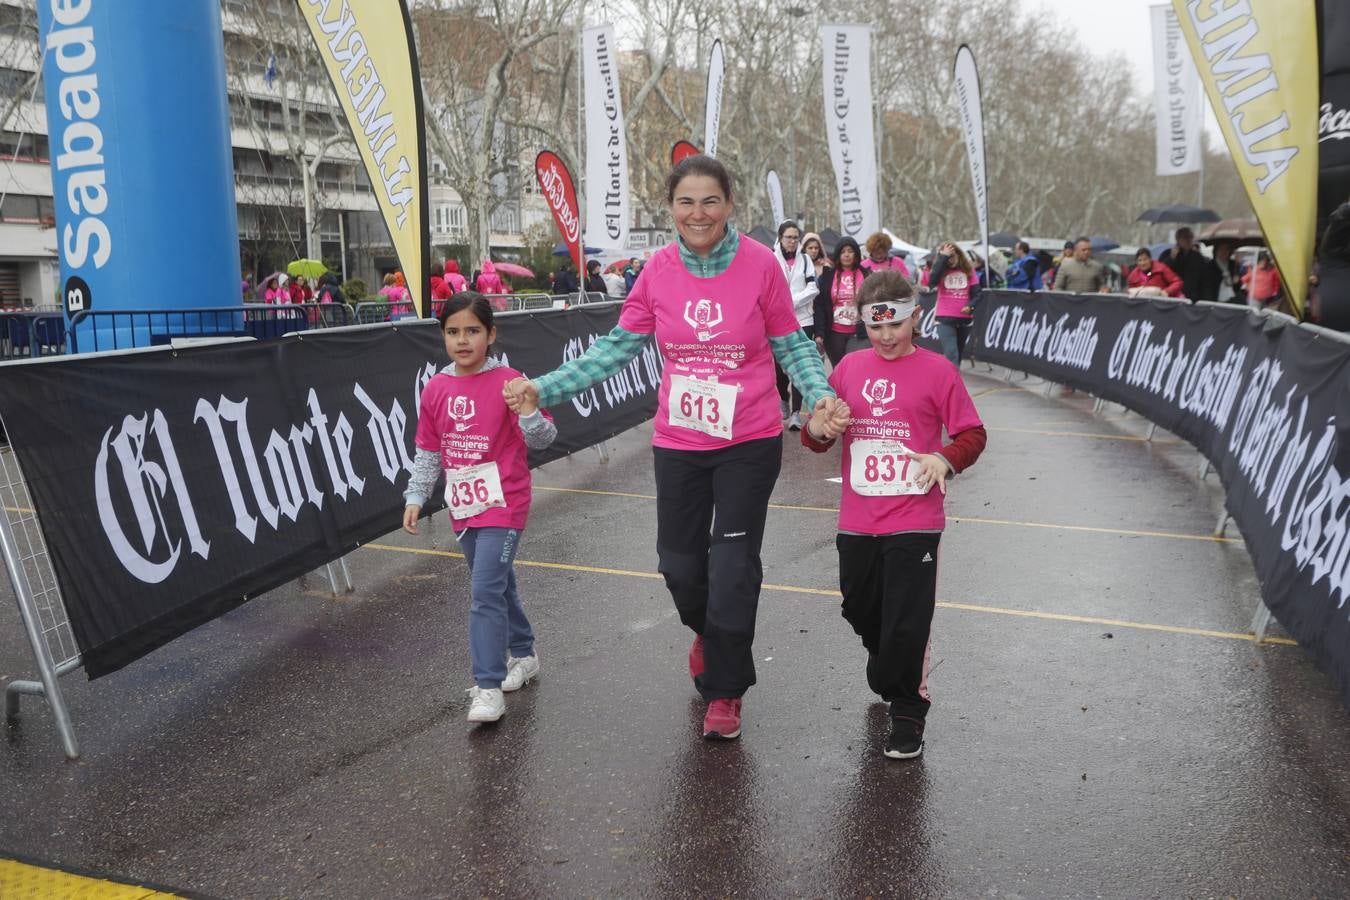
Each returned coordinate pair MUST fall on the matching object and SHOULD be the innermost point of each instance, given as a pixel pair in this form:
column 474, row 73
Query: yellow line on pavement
column 821, row 592
column 20, row 879
column 973, row 520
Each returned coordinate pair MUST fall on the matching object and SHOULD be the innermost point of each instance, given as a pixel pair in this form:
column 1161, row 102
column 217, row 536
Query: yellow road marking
column 974, row 520
column 820, row 592
column 19, row 879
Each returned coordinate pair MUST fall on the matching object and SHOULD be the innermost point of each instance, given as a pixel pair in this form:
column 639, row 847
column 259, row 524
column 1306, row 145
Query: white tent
column 912, row 250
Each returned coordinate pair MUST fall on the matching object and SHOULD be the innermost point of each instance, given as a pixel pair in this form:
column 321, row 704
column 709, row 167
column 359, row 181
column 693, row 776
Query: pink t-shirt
column 465, row 419
column 713, row 336
column 953, row 294
column 893, row 262
column 908, row 400
column 844, row 287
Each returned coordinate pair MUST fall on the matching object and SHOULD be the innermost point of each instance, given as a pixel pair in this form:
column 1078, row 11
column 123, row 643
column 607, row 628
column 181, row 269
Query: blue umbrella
column 562, row 250
column 1102, row 244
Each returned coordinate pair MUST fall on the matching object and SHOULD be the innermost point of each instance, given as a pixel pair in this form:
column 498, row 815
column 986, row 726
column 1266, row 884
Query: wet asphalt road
column 307, row 746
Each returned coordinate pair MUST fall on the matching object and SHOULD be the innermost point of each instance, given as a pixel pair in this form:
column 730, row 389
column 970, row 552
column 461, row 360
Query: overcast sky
column 1117, row 27
column 1108, row 26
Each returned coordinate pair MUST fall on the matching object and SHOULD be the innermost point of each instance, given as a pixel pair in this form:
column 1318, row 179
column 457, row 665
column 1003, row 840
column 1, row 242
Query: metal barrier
column 40, row 606
column 32, row 333
column 119, row 329
column 372, row 312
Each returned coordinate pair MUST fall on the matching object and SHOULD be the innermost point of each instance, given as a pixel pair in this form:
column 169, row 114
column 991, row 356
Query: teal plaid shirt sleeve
column 798, row 356
column 605, row 359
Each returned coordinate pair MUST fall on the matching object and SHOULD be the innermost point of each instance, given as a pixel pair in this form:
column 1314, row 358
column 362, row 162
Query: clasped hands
column 829, row 419
column 521, row 396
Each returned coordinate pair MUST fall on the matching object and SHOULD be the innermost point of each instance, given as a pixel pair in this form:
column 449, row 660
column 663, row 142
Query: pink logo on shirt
column 707, row 316
column 879, row 392
column 461, row 409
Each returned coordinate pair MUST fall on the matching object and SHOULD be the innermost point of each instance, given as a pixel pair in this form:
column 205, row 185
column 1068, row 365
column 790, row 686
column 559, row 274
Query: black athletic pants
column 890, row 586
column 836, row 345
column 710, row 512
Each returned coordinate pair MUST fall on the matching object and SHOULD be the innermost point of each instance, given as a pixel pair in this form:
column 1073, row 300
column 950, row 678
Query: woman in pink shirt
column 879, row 257
column 836, row 304
column 890, row 517
column 1263, row 283
column 717, row 308
column 958, row 290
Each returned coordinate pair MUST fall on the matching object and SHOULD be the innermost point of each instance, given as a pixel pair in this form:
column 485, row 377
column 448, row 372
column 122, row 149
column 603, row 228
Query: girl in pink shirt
column 836, row 309
column 465, row 429
column 901, row 397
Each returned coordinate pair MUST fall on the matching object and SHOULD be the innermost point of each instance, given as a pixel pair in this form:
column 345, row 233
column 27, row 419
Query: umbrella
column 829, row 238
column 1102, row 244
column 260, row 291
column 564, row 250
column 506, row 268
column 763, row 235
column 1178, row 212
column 1002, row 239
column 1242, row 230
column 306, row 268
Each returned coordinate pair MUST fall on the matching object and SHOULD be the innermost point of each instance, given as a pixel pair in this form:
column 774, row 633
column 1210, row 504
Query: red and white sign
column 556, row 183
column 682, row 150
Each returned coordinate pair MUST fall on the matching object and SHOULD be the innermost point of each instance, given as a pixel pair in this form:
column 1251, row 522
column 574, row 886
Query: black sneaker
column 906, row 740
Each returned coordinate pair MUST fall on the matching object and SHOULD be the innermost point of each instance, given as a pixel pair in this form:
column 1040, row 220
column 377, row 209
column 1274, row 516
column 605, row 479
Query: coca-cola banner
column 555, row 183
column 1266, row 401
column 174, row 485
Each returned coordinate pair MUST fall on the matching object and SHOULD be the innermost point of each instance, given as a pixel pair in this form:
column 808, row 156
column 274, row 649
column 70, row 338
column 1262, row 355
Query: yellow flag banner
column 1258, row 62
column 368, row 48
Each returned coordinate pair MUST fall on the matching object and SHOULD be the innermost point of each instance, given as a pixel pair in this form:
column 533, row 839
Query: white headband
column 885, row 312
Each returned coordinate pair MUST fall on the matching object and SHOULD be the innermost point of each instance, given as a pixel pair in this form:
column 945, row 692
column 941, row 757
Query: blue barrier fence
column 96, row 330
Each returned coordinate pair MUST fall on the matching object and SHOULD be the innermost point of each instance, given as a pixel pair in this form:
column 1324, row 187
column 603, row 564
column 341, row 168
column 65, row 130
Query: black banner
column 174, row 485
column 1266, row 401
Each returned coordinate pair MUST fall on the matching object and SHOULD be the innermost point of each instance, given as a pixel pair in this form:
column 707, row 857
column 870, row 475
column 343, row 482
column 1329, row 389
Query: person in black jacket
column 836, row 307
column 565, row 282
column 1333, row 284
column 595, row 284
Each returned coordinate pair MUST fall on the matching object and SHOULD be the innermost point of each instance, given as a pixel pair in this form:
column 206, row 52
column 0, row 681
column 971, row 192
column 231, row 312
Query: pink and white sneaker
column 723, row 719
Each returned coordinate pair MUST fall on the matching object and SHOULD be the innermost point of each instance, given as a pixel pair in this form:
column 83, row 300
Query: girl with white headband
column 890, row 517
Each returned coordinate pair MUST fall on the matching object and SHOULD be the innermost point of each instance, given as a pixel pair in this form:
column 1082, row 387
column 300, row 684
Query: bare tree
column 291, row 110
column 489, row 76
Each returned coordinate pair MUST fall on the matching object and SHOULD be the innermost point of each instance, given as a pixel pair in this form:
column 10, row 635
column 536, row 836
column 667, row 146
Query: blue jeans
column 952, row 336
column 497, row 620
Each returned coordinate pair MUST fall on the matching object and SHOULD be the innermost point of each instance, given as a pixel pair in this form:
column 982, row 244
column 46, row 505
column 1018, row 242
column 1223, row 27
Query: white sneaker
column 519, row 671
column 795, row 422
column 486, row 704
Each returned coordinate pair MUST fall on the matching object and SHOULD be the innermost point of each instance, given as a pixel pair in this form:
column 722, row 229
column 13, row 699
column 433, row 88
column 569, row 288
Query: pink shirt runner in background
column 466, row 421
column 908, row 400
column 843, row 292
column 713, row 336
column 893, row 262
column 953, row 294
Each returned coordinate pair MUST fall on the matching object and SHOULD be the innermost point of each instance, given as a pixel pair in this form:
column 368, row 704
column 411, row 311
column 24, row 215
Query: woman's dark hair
column 786, row 225
column 1143, row 251
column 473, row 301
column 838, row 248
column 884, row 285
column 698, row 165
column 593, row 266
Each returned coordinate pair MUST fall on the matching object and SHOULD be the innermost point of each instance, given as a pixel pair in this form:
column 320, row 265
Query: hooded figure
column 453, row 279
column 489, row 282
column 329, row 292
column 439, row 289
